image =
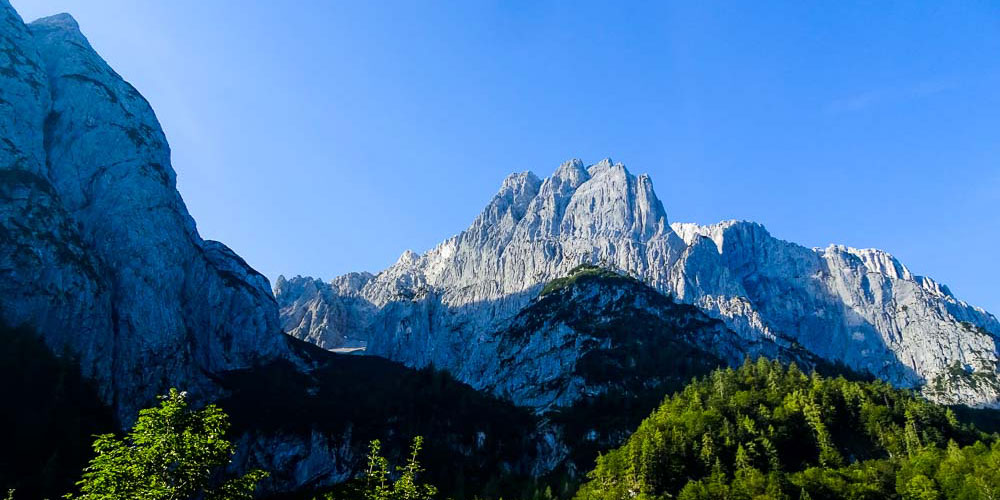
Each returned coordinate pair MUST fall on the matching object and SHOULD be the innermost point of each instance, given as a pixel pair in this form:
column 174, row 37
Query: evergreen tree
column 768, row 431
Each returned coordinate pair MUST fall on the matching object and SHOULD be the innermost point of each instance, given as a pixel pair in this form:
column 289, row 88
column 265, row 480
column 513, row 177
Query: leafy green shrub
column 377, row 483
column 172, row 452
column 406, row 487
column 389, row 402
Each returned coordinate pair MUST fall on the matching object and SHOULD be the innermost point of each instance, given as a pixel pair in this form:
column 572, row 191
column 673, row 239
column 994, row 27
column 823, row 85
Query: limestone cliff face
column 99, row 256
column 325, row 314
column 860, row 306
column 99, row 253
column 449, row 306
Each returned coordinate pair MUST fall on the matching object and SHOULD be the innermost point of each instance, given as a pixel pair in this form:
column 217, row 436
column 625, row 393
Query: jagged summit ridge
column 577, row 215
column 861, row 307
column 63, row 21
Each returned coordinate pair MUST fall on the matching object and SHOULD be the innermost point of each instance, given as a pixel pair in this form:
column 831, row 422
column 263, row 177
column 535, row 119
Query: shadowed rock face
column 860, row 307
column 100, row 258
column 99, row 253
column 596, row 333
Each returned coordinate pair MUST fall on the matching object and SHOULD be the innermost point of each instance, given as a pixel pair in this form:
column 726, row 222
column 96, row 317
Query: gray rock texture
column 324, row 313
column 98, row 252
column 99, row 257
column 596, row 333
column 449, row 306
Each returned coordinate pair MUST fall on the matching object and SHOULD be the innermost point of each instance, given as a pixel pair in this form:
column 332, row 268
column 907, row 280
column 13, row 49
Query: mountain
column 326, row 314
column 99, row 254
column 595, row 333
column 311, row 429
column 529, row 363
column 597, row 351
column 101, row 264
column 450, row 306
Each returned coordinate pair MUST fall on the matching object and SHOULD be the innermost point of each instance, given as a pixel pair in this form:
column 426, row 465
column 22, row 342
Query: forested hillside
column 476, row 445
column 768, row 431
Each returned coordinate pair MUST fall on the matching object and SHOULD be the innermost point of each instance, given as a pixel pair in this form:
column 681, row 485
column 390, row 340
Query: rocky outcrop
column 100, row 254
column 100, row 258
column 442, row 308
column 326, row 314
column 861, row 307
column 48, row 277
column 595, row 333
column 313, row 429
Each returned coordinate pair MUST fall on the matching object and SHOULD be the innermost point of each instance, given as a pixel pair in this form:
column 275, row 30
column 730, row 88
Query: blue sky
column 321, row 137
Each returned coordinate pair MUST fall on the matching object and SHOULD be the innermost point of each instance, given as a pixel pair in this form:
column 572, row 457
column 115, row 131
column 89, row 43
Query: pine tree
column 700, row 445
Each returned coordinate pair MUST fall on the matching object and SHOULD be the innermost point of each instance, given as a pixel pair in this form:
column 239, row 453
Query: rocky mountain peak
column 614, row 202
column 519, row 185
column 408, row 258
column 571, row 173
column 859, row 307
column 62, row 21
column 280, row 282
column 508, row 205
column 875, row 260
column 602, row 166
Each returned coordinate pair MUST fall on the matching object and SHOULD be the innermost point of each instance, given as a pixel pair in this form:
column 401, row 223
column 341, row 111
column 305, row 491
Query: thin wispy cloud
column 878, row 97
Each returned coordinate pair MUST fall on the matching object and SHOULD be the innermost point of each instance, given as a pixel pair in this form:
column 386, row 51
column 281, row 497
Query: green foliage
column 580, row 273
column 635, row 349
column 406, row 487
column 172, row 452
column 475, row 444
column 377, row 483
column 767, row 431
column 957, row 375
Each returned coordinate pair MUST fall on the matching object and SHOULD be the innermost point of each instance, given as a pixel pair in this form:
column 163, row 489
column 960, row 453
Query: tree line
column 767, row 431
column 759, row 431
